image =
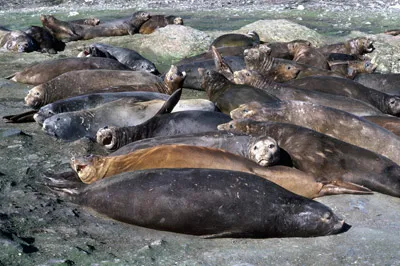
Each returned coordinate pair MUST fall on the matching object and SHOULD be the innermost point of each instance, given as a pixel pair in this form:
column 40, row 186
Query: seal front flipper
column 170, row 103
column 341, row 187
column 20, row 118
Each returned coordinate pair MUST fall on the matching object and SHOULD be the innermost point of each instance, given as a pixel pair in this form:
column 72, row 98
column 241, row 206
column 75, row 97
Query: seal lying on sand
column 357, row 46
column 63, row 30
column 327, row 158
column 206, row 202
column 304, row 53
column 351, row 69
column 92, row 168
column 17, row 41
column 159, row 21
column 235, row 39
column 335, row 123
column 45, row 41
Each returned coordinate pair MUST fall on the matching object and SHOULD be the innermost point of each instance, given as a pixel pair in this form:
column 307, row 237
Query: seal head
column 265, row 151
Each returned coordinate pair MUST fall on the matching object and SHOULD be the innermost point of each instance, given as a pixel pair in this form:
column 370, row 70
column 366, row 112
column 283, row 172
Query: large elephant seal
column 390, row 123
column 206, row 202
column 161, row 126
column 44, row 71
column 227, row 95
column 350, row 69
column 386, row 103
column 159, row 21
column 123, row 112
column 128, row 57
column 63, row 30
column 327, row 158
column 88, row 81
column 236, row 39
column 335, row 123
column 357, row 46
column 388, row 83
column 86, row 21
column 286, row 92
column 281, row 49
column 17, row 41
column 93, row 168
column 306, row 54
column 262, row 150
column 45, row 41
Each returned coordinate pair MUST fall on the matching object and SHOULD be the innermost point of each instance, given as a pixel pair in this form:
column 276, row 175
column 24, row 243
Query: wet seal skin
column 235, row 39
column 205, row 202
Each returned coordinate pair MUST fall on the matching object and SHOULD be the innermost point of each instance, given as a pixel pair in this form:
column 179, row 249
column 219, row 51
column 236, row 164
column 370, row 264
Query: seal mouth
column 263, row 162
column 80, row 167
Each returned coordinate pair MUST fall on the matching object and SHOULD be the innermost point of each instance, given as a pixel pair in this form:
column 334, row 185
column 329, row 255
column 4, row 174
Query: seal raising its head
column 265, row 152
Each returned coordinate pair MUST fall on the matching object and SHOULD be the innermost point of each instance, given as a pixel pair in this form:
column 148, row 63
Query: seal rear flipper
column 170, row 103
column 220, row 65
column 341, row 187
column 10, row 76
column 20, row 118
column 225, row 235
column 64, row 184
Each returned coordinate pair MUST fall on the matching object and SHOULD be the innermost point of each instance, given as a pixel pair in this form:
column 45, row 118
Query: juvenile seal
column 303, row 53
column 44, row 71
column 351, row 69
column 286, row 92
column 44, row 40
column 161, row 126
column 159, row 21
column 63, row 30
column 92, row 168
column 332, row 122
column 236, row 39
column 281, row 49
column 387, row 104
column 206, row 202
column 327, row 158
column 357, row 46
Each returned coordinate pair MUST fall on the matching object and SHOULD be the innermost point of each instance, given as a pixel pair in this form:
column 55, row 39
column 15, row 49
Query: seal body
column 388, row 83
column 235, row 39
column 357, row 46
column 208, row 202
column 304, row 53
column 327, row 158
column 338, row 124
column 17, row 41
column 44, row 40
column 159, row 21
column 390, row 123
column 63, row 30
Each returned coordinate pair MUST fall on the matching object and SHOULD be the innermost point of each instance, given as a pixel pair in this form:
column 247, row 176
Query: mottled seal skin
column 86, row 21
column 79, row 82
column 92, row 168
column 332, row 122
column 236, row 39
column 45, row 71
column 128, row 57
column 327, row 158
column 17, row 41
column 350, row 69
column 387, row 83
column 88, row 101
column 357, row 46
column 281, row 49
column 178, row 123
column 286, row 92
column 45, row 41
column 303, row 53
column 159, row 21
column 387, row 104
column 262, row 150
column 118, row 27
column 388, row 122
column 123, row 112
column 205, row 202
column 227, row 95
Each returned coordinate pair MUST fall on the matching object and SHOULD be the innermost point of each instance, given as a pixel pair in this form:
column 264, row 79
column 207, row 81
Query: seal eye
column 271, row 146
column 247, row 74
column 392, row 101
column 230, row 126
column 245, row 111
column 37, row 93
column 171, row 78
column 327, row 216
column 255, row 148
column 288, row 67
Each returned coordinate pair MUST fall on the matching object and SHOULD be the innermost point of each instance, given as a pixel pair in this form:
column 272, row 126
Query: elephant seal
column 227, row 95
column 128, row 57
column 351, row 69
column 357, row 46
column 236, row 39
column 63, row 30
column 303, row 53
column 387, row 104
column 17, row 41
column 388, row 83
column 123, row 112
column 262, row 150
column 326, row 158
column 92, row 168
column 159, row 21
column 388, row 122
column 44, row 71
column 394, row 32
column 207, row 202
column 332, row 122
column 281, row 49
column 45, row 42
column 88, row 81
column 178, row 123
column 286, row 92
column 86, row 21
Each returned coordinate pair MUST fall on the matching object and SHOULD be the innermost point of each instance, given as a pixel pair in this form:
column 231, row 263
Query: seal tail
column 20, row 118
column 341, row 187
column 66, row 184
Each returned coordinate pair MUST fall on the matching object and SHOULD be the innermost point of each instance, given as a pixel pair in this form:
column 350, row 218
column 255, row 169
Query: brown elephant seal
column 92, row 168
column 388, row 83
column 281, row 49
column 63, row 30
column 262, row 150
column 394, row 32
column 236, row 39
column 159, row 21
column 351, row 69
column 185, row 122
column 332, row 122
column 387, row 104
column 206, row 202
column 357, row 46
column 17, row 41
column 326, row 158
column 86, row 21
column 286, row 92
column 123, row 112
column 303, row 53
column 45, row 41
column 44, row 71
column 88, row 81
column 390, row 123
column 227, row 95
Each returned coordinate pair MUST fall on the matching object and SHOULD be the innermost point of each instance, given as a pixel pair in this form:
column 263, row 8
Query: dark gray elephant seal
column 327, row 158
column 45, row 41
column 263, row 150
column 17, row 41
column 390, row 123
column 205, row 202
column 387, row 83
column 236, row 39
column 161, row 126
column 335, row 123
